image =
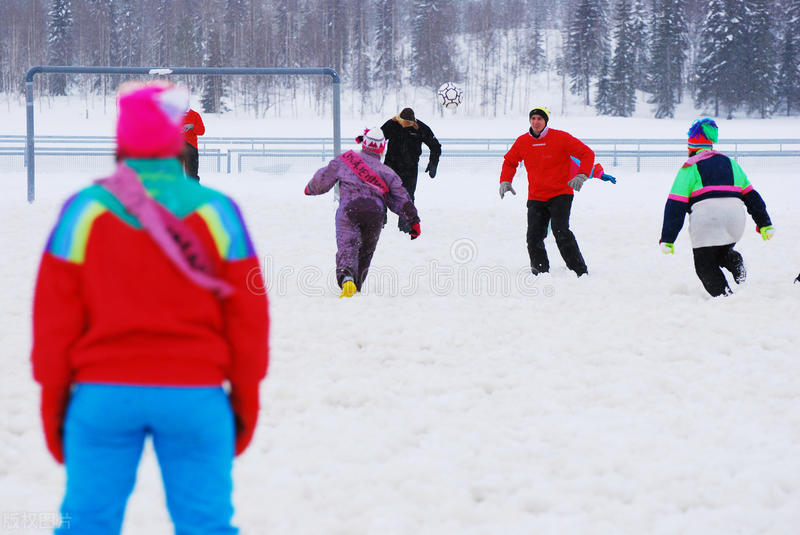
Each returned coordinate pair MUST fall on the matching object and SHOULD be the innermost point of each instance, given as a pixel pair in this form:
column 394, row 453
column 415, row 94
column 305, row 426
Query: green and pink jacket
column 711, row 187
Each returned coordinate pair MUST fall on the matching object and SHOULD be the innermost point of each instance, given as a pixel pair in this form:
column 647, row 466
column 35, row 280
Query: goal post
column 164, row 71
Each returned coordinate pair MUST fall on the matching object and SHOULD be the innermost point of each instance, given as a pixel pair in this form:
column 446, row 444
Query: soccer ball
column 450, row 95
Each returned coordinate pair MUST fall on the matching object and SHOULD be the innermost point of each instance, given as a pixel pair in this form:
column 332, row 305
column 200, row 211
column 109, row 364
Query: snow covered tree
column 213, row 86
column 788, row 86
column 534, row 57
column 234, row 48
column 126, row 27
column 714, row 74
column 59, row 42
column 668, row 54
column 586, row 45
column 605, row 99
column 759, row 84
column 622, row 81
column 163, row 33
column 360, row 50
column 639, row 42
column 432, row 42
column 385, row 65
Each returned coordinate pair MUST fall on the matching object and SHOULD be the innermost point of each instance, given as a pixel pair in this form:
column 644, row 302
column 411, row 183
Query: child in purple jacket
column 366, row 188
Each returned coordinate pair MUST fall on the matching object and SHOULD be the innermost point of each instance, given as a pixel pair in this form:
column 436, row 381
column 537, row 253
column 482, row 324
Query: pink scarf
column 364, row 171
column 172, row 235
column 702, row 155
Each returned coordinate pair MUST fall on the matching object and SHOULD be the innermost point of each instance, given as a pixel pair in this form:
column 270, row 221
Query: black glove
column 431, row 169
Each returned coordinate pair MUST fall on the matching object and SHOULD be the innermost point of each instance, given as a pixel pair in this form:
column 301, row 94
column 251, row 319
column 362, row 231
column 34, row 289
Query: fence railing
column 231, row 153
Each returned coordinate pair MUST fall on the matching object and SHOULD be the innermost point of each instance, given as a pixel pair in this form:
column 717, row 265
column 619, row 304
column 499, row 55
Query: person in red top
column 149, row 299
column 547, row 154
column 192, row 127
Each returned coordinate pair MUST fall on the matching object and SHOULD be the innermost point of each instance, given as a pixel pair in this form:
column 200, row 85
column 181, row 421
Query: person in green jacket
column 713, row 189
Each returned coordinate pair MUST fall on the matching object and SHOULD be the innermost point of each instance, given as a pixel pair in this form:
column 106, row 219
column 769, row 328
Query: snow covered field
column 461, row 395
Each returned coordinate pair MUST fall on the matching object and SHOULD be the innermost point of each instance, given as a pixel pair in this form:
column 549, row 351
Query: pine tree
column 605, row 98
column 788, row 86
column 623, row 64
column 432, row 42
column 720, row 73
column 586, row 43
column 360, row 50
column 127, row 30
column 213, row 87
column 668, row 56
column 385, row 66
column 759, row 84
column 534, row 58
column 163, row 35
column 640, row 39
column 59, row 42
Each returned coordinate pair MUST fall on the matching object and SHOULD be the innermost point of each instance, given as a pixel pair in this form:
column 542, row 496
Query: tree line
column 728, row 56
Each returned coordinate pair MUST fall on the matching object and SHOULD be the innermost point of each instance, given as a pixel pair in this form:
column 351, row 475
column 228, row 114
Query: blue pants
column 193, row 437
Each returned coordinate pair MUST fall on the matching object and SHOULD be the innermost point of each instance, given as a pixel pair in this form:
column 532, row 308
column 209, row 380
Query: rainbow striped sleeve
column 226, row 225
column 71, row 233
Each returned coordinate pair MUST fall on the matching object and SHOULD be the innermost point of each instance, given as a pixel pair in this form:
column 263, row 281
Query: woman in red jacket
column 147, row 301
column 551, row 184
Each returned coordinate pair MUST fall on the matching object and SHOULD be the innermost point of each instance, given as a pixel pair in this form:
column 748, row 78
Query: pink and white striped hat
column 372, row 140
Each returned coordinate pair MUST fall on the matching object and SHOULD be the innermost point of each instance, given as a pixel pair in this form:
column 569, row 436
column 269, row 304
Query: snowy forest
column 728, row 56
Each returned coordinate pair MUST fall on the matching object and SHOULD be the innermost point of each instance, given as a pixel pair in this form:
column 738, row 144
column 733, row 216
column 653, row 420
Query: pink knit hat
column 150, row 120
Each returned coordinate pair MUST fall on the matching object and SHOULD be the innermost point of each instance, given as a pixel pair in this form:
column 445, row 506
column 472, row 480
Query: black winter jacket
column 405, row 145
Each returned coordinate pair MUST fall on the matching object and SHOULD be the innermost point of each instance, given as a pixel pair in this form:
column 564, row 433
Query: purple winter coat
column 352, row 188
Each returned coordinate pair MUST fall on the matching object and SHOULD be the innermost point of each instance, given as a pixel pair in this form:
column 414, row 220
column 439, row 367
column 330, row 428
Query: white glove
column 667, row 248
column 577, row 182
column 505, row 187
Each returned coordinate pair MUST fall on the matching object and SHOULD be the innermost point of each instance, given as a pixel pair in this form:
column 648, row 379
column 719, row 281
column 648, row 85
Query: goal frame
column 30, row 159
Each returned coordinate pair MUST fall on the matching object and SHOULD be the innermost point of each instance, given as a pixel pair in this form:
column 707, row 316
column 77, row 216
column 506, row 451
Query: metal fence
column 278, row 155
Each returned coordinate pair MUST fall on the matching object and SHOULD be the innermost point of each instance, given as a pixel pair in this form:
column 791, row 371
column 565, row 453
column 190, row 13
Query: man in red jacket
column 547, row 155
column 192, row 127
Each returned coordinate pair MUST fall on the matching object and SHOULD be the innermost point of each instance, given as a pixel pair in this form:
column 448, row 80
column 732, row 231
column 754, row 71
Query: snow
column 459, row 394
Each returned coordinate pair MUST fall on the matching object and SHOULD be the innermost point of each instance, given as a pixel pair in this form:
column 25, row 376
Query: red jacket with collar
column 547, row 160
column 193, row 118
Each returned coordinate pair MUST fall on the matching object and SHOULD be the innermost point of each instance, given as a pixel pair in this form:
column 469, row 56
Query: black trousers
column 556, row 212
column 409, row 179
column 191, row 161
column 707, row 264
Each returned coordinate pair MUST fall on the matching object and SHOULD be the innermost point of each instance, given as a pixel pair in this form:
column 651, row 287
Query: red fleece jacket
column 198, row 128
column 547, row 161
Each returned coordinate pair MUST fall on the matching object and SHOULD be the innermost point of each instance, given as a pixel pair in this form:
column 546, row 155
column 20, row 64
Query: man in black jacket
column 406, row 135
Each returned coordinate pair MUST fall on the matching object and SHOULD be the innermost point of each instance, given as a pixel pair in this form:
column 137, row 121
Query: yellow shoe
column 348, row 289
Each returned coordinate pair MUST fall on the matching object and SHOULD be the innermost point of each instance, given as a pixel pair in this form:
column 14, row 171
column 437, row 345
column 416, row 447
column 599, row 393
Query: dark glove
column 415, row 231
column 244, row 402
column 608, row 178
column 54, row 406
column 431, row 169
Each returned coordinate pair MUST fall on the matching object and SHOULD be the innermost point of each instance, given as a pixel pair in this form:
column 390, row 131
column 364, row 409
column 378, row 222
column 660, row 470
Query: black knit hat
column 407, row 114
column 542, row 112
